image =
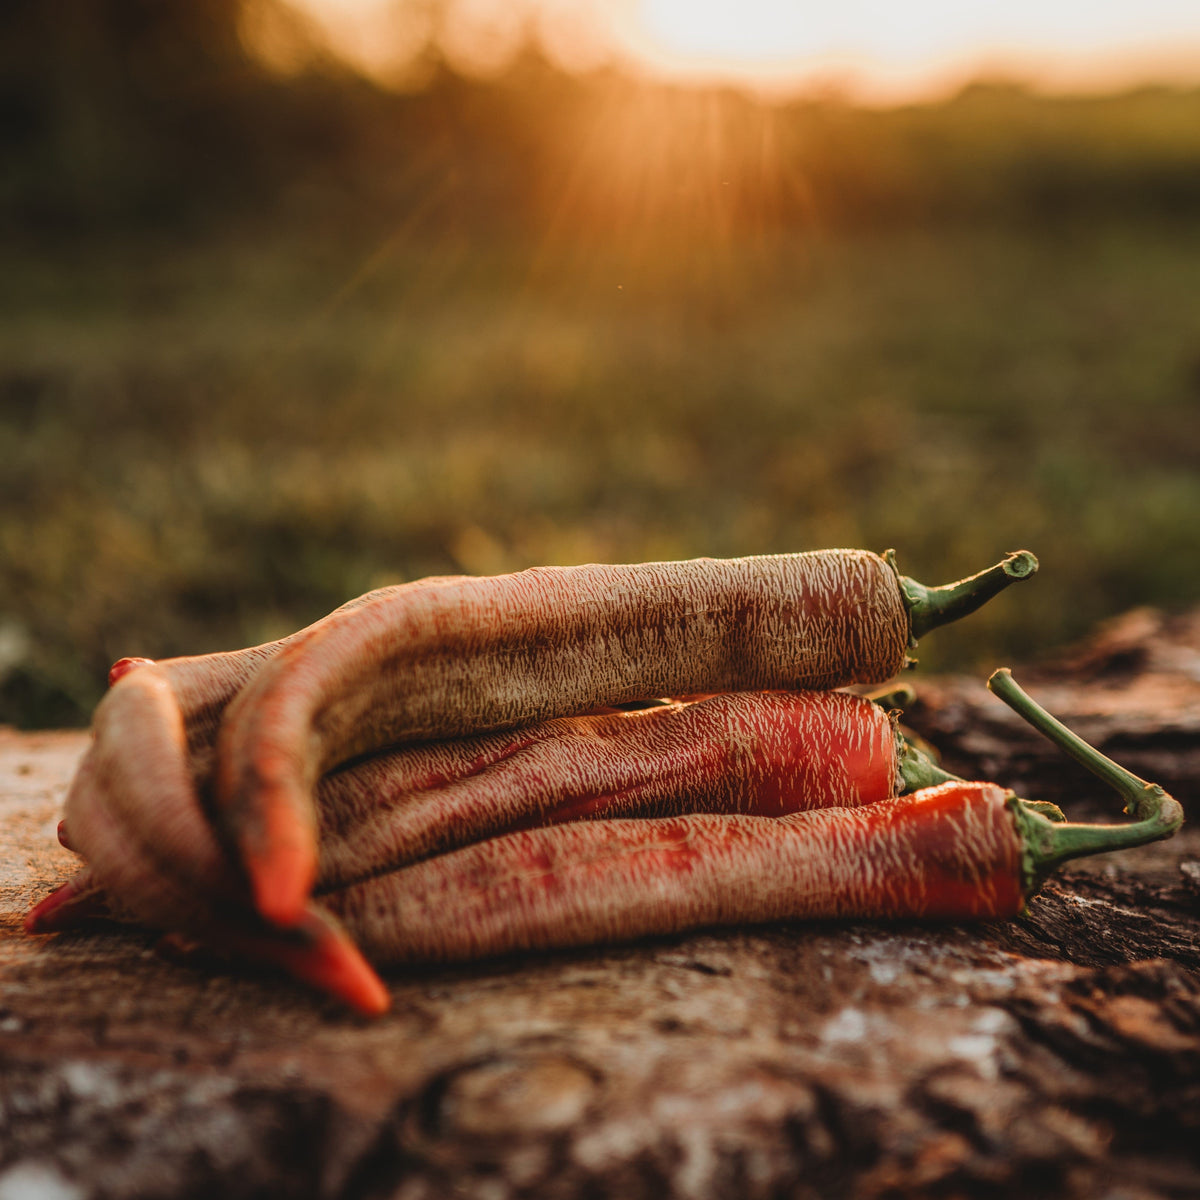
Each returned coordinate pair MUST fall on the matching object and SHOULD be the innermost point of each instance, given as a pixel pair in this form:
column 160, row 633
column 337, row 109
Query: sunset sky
column 876, row 50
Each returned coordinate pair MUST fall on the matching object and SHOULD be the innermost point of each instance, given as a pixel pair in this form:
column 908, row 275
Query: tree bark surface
column 1053, row 1055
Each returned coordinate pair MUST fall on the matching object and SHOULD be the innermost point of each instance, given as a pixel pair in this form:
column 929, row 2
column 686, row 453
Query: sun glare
column 889, row 50
column 871, row 49
column 751, row 33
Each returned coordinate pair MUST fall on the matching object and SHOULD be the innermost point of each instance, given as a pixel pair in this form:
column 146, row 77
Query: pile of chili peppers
column 463, row 767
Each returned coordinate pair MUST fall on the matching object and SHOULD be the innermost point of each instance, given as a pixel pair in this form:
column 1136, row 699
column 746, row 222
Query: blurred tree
column 136, row 109
column 145, row 111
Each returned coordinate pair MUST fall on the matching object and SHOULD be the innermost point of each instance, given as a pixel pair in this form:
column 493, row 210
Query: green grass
column 207, row 445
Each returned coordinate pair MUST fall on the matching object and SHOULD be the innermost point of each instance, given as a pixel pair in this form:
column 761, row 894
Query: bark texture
column 1057, row 1054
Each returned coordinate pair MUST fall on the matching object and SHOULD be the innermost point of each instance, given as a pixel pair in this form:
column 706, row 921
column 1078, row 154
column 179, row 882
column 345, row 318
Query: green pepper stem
column 929, row 607
column 892, row 695
column 1047, row 843
column 917, row 769
column 1050, row 811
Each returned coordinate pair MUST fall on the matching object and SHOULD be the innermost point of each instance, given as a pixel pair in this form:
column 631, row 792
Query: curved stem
column 1142, row 799
column 1049, row 843
column 929, row 607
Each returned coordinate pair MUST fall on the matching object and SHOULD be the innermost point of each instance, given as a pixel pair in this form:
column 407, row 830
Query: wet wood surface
column 1054, row 1055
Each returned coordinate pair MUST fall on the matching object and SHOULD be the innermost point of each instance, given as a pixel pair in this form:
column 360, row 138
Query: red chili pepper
column 950, row 851
column 764, row 753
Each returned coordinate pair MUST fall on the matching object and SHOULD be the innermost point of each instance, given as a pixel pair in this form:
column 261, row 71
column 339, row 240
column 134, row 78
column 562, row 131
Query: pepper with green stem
column 957, row 850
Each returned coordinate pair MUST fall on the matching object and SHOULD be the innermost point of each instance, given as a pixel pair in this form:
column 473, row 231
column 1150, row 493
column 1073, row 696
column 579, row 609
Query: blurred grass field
column 268, row 340
column 209, row 441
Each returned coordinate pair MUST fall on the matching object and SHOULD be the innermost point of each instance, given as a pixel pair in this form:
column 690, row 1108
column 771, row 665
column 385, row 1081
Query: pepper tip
column 1020, row 564
column 333, row 963
column 60, row 909
column 123, row 666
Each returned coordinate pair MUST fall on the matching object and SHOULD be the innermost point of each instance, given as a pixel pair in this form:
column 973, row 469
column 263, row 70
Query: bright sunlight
column 884, row 49
column 872, row 50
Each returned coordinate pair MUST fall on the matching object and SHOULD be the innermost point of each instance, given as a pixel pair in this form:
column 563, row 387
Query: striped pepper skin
column 764, row 753
column 949, row 852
